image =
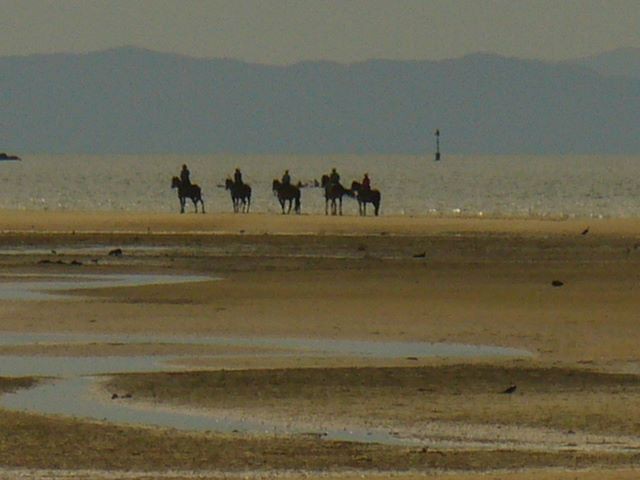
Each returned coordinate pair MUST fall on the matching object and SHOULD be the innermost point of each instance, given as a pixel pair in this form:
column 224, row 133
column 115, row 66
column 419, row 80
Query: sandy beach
column 478, row 281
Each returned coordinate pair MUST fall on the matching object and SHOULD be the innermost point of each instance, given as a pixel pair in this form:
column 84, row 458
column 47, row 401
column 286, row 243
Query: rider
column 237, row 177
column 184, row 176
column 286, row 179
column 366, row 182
column 334, row 177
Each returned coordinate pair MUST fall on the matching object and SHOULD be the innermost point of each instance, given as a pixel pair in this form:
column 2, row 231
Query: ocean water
column 521, row 186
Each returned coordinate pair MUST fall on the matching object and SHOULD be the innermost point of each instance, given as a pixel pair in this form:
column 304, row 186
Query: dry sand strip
column 441, row 436
column 446, row 407
column 532, row 474
column 110, row 223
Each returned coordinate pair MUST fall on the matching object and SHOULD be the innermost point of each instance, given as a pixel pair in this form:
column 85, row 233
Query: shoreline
column 31, row 222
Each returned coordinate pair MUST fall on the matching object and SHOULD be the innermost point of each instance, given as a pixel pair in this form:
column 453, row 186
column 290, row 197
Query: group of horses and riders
column 361, row 191
column 288, row 194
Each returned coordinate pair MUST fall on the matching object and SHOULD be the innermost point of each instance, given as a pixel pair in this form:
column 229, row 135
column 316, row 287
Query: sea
column 492, row 186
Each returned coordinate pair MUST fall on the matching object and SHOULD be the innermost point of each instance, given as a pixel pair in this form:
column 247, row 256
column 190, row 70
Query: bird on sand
column 510, row 390
column 585, row 231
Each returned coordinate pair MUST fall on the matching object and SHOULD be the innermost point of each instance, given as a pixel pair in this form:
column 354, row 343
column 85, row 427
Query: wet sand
column 477, row 281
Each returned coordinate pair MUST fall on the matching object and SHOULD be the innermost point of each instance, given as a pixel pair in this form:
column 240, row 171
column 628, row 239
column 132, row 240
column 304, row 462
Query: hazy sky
column 286, row 31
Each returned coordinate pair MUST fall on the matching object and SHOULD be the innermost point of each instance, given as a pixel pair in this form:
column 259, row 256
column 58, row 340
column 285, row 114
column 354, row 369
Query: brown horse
column 240, row 195
column 333, row 192
column 287, row 193
column 366, row 196
column 191, row 191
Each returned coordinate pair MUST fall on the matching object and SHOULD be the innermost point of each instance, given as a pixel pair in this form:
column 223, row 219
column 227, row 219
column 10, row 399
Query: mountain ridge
column 134, row 100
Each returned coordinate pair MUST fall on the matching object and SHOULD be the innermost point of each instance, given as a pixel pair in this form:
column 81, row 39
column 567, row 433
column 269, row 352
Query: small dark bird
column 420, row 255
column 585, row 231
column 510, row 390
column 557, row 283
column 114, row 396
column 116, row 252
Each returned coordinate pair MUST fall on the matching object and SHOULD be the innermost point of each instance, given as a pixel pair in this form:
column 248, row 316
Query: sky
column 288, row 31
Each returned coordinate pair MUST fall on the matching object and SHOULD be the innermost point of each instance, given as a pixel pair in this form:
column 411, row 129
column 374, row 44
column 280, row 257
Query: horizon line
column 327, row 61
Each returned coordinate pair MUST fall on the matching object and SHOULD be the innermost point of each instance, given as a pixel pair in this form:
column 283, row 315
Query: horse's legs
column 281, row 200
column 340, row 204
column 326, row 206
column 182, row 202
column 195, row 201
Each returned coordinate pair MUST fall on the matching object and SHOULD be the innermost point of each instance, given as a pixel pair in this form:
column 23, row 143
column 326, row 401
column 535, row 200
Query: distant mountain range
column 130, row 100
column 623, row 62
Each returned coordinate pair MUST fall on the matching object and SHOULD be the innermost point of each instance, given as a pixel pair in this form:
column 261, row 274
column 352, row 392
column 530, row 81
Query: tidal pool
column 71, row 390
column 30, row 287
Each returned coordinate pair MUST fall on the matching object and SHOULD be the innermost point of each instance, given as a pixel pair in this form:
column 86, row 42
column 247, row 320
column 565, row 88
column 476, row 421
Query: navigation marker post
column 437, row 144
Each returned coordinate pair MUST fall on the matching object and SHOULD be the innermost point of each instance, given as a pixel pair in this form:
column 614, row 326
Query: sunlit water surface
column 591, row 186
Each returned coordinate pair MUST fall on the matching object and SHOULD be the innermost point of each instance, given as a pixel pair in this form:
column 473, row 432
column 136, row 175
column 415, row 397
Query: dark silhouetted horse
column 240, row 195
column 191, row 191
column 333, row 192
column 366, row 196
column 287, row 193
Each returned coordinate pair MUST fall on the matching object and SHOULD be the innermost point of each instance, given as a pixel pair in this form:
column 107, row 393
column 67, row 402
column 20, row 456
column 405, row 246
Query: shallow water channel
column 71, row 390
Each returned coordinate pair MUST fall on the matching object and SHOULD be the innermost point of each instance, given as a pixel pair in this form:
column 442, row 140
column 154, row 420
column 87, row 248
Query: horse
column 191, row 191
column 285, row 193
column 366, row 196
column 333, row 192
column 240, row 195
